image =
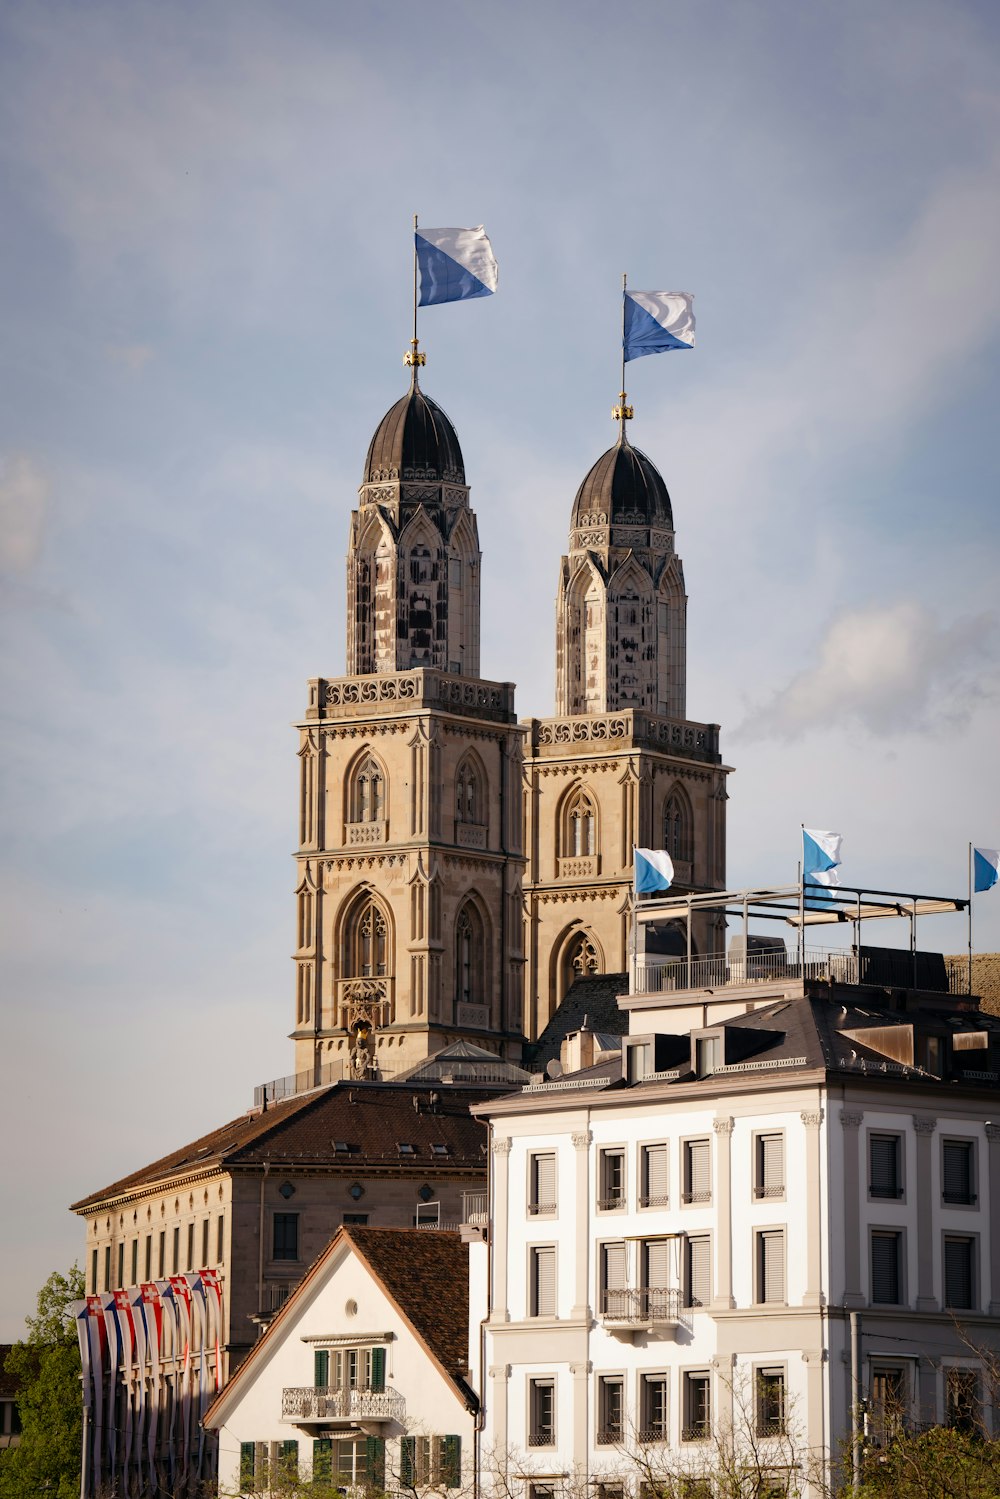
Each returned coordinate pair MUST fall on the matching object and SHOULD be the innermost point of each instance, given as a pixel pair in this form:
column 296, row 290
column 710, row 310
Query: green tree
column 47, row 1366
column 942, row 1463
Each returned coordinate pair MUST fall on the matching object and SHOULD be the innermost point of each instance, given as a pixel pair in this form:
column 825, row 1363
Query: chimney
column 579, row 1048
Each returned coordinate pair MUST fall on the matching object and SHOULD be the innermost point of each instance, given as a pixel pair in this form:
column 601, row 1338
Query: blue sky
column 205, row 236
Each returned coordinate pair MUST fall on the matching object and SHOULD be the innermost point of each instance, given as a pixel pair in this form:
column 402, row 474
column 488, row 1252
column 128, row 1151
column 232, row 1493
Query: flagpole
column 970, row 918
column 412, row 358
column 802, row 906
column 622, row 412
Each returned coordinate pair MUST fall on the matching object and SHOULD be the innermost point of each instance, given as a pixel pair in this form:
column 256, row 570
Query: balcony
column 325, row 1405
column 475, row 1208
column 642, row 1309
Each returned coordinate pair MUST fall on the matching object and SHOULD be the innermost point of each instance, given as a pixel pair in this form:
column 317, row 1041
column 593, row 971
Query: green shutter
column 246, row 1467
column 375, row 1460
column 451, row 1462
column 408, row 1462
column 378, row 1368
column 323, row 1460
column 288, row 1459
column 321, row 1368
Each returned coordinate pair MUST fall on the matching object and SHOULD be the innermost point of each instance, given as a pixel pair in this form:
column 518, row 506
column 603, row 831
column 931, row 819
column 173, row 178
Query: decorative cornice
column 583, row 1140
column 923, row 1125
column 812, row 1119
column 850, row 1120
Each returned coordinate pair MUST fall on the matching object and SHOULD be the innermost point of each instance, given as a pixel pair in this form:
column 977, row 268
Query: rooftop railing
column 655, row 975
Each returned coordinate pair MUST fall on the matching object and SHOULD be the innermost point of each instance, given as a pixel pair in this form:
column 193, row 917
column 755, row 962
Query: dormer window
column 405, row 1147
column 709, row 1053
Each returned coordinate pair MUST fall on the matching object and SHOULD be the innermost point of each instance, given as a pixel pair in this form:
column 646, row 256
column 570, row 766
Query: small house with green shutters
column 362, row 1378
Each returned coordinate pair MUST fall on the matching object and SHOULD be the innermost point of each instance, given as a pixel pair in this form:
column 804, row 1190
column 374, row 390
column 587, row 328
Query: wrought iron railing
column 642, row 1304
column 662, row 975
column 328, row 1403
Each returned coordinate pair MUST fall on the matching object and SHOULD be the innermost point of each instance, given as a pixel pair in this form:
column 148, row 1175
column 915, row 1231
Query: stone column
column 852, row 1207
column 500, row 1229
column 927, row 1372
column 580, row 1445
column 922, row 1186
column 814, row 1360
column 813, row 1294
column 992, row 1174
column 722, row 1187
column 499, row 1375
column 581, row 1294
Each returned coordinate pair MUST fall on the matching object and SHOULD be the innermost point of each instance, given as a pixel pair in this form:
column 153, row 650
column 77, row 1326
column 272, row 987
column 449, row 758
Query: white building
column 362, row 1377
column 685, row 1231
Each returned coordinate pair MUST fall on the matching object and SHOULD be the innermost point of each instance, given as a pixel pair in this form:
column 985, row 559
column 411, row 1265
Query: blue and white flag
column 656, row 321
column 820, row 857
column 455, row 264
column 986, row 868
column 654, row 870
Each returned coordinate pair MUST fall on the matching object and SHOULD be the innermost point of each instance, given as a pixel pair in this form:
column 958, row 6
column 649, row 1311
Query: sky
column 205, row 221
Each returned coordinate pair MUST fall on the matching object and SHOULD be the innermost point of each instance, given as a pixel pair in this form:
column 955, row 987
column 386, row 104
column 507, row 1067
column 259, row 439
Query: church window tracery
column 368, row 791
column 470, row 966
column 469, row 798
column 678, row 831
column 580, row 826
column 366, row 940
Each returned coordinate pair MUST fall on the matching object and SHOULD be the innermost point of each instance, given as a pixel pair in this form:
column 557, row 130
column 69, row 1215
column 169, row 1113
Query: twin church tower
column 457, row 869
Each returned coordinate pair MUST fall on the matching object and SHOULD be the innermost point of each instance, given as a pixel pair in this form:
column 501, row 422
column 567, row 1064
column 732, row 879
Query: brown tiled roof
column 426, row 1272
column 371, row 1119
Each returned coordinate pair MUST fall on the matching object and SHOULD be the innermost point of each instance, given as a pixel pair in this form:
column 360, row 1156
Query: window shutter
column 246, row 1466
column 885, row 1267
column 451, row 1462
column 545, row 1181
column 699, row 1271
column 322, row 1460
column 958, row 1272
column 699, row 1176
column 321, row 1368
column 375, row 1460
column 545, row 1282
column 957, row 1171
column 883, row 1152
column 614, row 1267
column 656, row 1264
column 772, row 1165
column 408, row 1461
column 655, row 1185
column 378, row 1369
column 772, row 1266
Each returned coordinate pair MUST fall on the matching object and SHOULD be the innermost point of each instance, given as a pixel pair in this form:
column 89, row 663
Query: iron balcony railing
column 329, row 1403
column 662, row 975
column 475, row 1208
column 642, row 1305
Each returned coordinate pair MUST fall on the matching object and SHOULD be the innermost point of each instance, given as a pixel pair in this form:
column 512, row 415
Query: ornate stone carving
column 580, row 1371
column 470, row 835
column 812, row 1119
column 851, row 1120
column 582, row 1141
column 502, row 1146
column 723, row 1126
column 362, row 833
column 499, row 1371
column 923, row 1125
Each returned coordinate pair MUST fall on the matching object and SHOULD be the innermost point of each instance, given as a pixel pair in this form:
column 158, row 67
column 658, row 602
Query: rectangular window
column 288, row 1461
column 176, row 1265
column 707, row 1055
column 653, row 1408
column 959, row 1271
column 958, row 1172
column 322, row 1471
column 542, row 1184
column 610, row 1411
column 93, row 1272
column 148, row 1258
column 886, row 1278
column 698, row 1271
column 889, row 1406
column 543, row 1281
column 161, row 1261
column 614, row 1295
column 769, row 1165
column 697, row 1408
column 134, row 1280
column 771, row 1265
column 107, row 1267
column 121, row 1265
column 428, row 1215
column 611, row 1188
column 697, row 1171
column 204, row 1242
column 190, row 1248
column 885, row 1178
column 653, row 1177
column 247, row 1467
column 359, row 1218
column 770, row 1402
column 220, row 1239
column 541, row 1412
column 961, row 1393
column 286, row 1236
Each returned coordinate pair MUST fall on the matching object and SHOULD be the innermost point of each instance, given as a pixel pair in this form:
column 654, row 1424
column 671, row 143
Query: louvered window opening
column 611, row 1412
column 958, row 1172
column 654, row 1177
column 612, row 1184
column 430, row 1460
column 543, row 1282
column 885, row 1177
column 771, row 1266
column 614, row 1296
column 697, row 1171
column 885, row 1268
column 698, row 1268
column 958, row 1273
column 770, row 1172
column 653, row 1427
column 543, row 1185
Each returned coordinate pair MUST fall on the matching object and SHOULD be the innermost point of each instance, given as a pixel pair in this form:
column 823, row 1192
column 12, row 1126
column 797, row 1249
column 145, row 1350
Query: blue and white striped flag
column 820, row 862
column 656, row 321
column 654, row 870
column 455, row 264
column 986, row 868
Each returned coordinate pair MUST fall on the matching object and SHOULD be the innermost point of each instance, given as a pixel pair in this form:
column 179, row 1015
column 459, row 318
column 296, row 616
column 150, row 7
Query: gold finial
column 622, row 412
column 413, row 356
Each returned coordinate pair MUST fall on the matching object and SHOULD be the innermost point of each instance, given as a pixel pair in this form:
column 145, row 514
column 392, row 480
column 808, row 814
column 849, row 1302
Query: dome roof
column 627, row 487
column 415, row 440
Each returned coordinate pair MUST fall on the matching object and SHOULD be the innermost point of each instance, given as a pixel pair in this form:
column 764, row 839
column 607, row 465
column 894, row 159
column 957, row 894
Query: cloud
column 24, row 495
column 887, row 667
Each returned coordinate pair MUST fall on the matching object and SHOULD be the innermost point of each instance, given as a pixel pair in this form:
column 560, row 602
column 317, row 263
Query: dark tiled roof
column 372, row 1119
column 594, row 1000
column 426, row 1272
column 622, row 483
column 415, row 440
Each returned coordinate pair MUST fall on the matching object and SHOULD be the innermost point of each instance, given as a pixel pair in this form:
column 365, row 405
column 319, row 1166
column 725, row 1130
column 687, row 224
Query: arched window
column 580, row 826
column 469, row 803
column 678, row 834
column 368, row 791
column 580, row 960
column 366, row 940
column 470, row 965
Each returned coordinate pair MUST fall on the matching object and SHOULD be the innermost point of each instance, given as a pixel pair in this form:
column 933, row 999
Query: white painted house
column 362, row 1376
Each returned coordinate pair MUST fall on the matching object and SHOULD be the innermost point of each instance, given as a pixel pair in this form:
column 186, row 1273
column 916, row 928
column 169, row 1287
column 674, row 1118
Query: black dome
column 415, row 440
column 623, row 484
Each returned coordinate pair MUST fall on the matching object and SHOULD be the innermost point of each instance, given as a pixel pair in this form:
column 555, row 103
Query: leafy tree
column 942, row 1463
column 46, row 1365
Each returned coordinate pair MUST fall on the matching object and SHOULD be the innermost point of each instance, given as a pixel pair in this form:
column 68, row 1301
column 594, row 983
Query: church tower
column 410, row 862
column 620, row 765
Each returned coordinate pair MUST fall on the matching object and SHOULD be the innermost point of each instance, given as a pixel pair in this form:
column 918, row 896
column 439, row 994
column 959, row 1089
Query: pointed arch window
column 470, row 956
column 580, row 827
column 580, row 961
column 366, row 940
column 469, row 794
column 368, row 791
column 678, row 830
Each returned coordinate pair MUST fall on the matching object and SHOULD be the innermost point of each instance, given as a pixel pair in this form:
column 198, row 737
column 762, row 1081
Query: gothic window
column 420, row 565
column 368, row 791
column 469, row 957
column 580, row 961
column 366, row 940
column 469, row 800
column 678, row 839
column 580, row 826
